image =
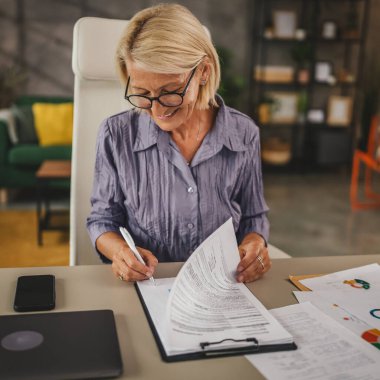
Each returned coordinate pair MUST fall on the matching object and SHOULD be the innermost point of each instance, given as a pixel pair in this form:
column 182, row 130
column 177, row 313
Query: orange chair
column 371, row 160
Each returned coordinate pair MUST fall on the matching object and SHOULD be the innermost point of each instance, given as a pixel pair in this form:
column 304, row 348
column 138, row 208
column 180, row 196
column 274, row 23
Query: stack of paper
column 351, row 297
column 205, row 309
column 345, row 346
column 326, row 350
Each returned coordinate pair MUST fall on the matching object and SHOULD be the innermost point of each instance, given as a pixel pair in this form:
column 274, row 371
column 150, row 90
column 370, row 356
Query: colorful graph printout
column 357, row 283
column 372, row 336
column 375, row 313
column 365, row 279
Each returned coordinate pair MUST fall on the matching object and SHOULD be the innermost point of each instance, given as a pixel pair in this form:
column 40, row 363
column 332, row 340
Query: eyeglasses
column 169, row 99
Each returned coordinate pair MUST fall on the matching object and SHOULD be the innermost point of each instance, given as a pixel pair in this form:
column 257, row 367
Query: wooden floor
column 19, row 248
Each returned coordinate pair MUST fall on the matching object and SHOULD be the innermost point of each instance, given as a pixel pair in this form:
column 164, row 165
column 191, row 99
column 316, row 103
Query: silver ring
column 261, row 261
column 121, row 277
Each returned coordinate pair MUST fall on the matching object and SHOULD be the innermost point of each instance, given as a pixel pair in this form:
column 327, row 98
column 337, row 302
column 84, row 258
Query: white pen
column 128, row 238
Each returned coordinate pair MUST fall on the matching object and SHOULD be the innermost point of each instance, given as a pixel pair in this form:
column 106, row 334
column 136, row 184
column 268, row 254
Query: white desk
column 94, row 287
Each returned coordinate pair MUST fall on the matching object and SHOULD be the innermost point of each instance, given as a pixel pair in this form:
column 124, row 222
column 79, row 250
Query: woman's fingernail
column 240, row 279
column 149, row 273
column 239, row 269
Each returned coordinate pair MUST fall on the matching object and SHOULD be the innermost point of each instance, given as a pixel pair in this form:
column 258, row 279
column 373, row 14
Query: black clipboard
column 255, row 348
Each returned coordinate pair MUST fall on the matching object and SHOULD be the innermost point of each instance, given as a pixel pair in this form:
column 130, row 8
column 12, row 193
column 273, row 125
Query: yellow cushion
column 53, row 123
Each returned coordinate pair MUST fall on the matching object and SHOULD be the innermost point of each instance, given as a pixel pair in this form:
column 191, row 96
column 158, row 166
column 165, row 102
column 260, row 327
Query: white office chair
column 97, row 95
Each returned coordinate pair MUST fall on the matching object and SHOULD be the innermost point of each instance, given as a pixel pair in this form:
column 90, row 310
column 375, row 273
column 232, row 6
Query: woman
column 179, row 164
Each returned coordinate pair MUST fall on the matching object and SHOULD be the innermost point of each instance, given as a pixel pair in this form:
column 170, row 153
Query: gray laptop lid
column 70, row 345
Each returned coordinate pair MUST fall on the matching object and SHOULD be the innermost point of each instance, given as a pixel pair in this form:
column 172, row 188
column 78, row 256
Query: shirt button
column 190, row 190
column 190, row 225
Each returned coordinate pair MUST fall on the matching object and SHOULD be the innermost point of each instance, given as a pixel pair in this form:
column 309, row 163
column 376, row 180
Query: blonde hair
column 169, row 39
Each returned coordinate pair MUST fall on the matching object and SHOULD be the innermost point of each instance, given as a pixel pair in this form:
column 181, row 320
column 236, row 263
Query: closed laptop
column 69, row 345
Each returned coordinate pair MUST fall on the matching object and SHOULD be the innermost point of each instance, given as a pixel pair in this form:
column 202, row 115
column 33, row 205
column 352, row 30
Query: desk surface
column 94, row 287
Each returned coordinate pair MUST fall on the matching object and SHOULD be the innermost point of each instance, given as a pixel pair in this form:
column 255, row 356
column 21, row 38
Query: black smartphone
column 35, row 293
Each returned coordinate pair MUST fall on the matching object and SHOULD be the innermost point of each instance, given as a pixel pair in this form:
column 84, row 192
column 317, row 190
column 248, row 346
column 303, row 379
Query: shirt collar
column 147, row 132
column 224, row 132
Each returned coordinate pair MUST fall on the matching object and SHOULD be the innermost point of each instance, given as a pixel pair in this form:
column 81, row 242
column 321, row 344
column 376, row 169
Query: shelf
column 340, row 1
column 282, row 40
column 298, row 84
column 338, row 84
column 343, row 128
column 282, row 84
column 339, row 40
column 306, row 124
column 309, row 39
column 312, row 95
column 279, row 125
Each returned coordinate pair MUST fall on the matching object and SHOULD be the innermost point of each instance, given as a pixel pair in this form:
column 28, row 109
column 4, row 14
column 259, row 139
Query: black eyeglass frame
column 157, row 98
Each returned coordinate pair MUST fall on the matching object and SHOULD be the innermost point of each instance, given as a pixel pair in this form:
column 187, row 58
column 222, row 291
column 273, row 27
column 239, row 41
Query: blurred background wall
column 38, row 33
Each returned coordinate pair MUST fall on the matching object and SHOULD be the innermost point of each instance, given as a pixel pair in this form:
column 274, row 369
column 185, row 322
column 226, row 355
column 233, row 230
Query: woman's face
column 152, row 84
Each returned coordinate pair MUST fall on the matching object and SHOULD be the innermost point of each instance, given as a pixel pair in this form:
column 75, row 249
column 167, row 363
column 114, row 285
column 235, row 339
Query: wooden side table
column 47, row 175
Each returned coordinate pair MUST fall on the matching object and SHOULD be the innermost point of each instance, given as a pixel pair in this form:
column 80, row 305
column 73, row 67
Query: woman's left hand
column 254, row 258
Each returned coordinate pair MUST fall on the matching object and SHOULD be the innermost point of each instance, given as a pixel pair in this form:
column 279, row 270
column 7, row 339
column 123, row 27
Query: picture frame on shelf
column 339, row 111
column 284, row 108
column 323, row 71
column 329, row 30
column 284, row 23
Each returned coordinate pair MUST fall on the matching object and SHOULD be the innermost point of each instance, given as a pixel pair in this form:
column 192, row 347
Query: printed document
column 326, row 350
column 365, row 279
column 205, row 303
column 330, row 304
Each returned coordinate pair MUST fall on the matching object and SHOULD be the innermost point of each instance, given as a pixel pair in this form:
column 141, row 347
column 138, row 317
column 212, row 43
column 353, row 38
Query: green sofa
column 18, row 163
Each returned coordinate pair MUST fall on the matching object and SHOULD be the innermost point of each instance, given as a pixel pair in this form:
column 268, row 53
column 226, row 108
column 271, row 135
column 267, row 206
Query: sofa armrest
column 5, row 143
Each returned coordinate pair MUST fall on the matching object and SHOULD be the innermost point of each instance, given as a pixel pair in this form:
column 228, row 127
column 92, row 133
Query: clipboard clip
column 206, row 344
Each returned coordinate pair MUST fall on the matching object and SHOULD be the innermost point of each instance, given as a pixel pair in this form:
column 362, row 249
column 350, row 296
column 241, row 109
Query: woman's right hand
column 126, row 267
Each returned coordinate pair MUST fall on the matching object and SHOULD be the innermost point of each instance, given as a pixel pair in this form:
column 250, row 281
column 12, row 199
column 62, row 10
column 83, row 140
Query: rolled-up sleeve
column 107, row 207
column 251, row 198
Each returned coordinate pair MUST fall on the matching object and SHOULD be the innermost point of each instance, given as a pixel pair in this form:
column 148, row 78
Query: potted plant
column 352, row 29
column 231, row 84
column 302, row 54
column 302, row 106
column 11, row 80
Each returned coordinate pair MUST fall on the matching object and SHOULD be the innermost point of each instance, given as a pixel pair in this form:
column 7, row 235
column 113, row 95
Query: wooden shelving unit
column 310, row 143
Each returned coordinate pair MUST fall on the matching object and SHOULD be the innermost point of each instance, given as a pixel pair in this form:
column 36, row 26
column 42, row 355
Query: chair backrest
column 373, row 146
column 97, row 94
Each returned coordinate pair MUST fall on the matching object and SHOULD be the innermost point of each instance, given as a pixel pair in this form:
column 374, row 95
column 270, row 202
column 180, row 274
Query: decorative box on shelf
column 274, row 74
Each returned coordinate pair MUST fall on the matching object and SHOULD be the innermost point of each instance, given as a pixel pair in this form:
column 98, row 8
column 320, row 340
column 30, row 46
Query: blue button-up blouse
column 143, row 182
